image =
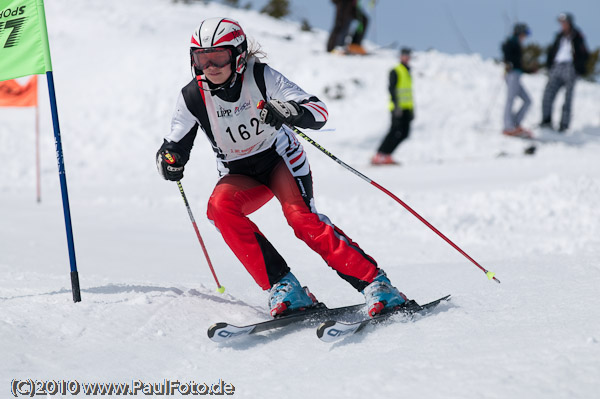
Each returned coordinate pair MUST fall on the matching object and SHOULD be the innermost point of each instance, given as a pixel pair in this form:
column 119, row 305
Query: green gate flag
column 24, row 48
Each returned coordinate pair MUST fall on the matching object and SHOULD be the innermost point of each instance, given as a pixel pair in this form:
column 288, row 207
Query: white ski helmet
column 221, row 33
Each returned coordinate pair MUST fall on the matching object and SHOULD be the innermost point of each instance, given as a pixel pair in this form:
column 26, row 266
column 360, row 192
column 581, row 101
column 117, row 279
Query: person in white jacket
column 259, row 157
column 567, row 60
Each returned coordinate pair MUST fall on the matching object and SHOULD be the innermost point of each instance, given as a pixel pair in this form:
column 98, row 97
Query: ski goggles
column 217, row 57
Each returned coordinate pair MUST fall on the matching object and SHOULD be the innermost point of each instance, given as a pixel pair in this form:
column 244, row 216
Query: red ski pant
column 236, row 196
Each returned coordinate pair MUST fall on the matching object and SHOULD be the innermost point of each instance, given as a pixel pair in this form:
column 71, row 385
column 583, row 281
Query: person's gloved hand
column 397, row 112
column 277, row 112
column 170, row 165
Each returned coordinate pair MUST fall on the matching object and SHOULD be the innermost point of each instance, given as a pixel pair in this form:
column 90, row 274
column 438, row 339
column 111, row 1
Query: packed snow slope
column 148, row 295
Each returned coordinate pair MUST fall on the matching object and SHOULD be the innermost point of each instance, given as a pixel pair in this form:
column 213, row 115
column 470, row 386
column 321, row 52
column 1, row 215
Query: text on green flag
column 24, row 46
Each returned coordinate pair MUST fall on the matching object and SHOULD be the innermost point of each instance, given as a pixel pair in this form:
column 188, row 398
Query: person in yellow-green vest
column 401, row 107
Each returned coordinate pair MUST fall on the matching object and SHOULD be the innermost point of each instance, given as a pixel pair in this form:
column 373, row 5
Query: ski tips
column 323, row 327
column 214, row 328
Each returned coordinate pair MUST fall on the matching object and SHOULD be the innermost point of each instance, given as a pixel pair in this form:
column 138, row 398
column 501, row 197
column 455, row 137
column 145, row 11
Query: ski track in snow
column 148, row 296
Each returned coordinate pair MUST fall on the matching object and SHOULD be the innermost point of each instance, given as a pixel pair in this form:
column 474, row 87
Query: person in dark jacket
column 513, row 54
column 567, row 59
column 346, row 12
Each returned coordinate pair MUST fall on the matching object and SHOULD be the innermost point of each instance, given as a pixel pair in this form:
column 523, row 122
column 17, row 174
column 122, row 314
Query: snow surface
column 148, row 296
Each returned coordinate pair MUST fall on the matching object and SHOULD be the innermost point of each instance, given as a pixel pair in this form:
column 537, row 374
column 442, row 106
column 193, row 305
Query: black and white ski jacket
column 230, row 120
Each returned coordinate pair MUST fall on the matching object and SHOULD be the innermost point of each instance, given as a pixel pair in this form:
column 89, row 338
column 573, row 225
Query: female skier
column 258, row 158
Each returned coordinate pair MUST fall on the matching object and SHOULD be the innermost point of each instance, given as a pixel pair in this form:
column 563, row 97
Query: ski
column 332, row 330
column 222, row 332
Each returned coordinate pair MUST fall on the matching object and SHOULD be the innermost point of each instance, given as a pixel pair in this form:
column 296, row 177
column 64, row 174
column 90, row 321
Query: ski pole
column 490, row 275
column 220, row 288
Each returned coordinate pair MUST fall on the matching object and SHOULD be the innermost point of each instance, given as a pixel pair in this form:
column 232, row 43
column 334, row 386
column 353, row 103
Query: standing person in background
column 360, row 15
column 567, row 59
column 401, row 107
column 346, row 12
column 513, row 55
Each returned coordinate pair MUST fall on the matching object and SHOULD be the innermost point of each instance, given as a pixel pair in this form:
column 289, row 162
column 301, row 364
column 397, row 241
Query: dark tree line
column 274, row 8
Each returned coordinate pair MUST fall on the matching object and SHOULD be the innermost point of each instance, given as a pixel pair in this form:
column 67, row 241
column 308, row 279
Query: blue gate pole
column 63, row 187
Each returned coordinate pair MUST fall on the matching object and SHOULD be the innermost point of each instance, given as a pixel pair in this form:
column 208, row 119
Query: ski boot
column 383, row 159
column 546, row 124
column 356, row 49
column 381, row 295
column 518, row 132
column 287, row 296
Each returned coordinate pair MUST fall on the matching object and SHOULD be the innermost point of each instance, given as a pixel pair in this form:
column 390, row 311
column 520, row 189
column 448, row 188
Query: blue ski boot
column 381, row 295
column 287, row 296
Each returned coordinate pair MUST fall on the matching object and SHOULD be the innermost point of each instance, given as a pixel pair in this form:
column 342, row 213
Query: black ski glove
column 277, row 112
column 170, row 165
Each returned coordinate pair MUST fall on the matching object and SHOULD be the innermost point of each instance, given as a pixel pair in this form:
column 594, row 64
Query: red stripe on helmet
column 230, row 36
column 195, row 42
column 233, row 22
